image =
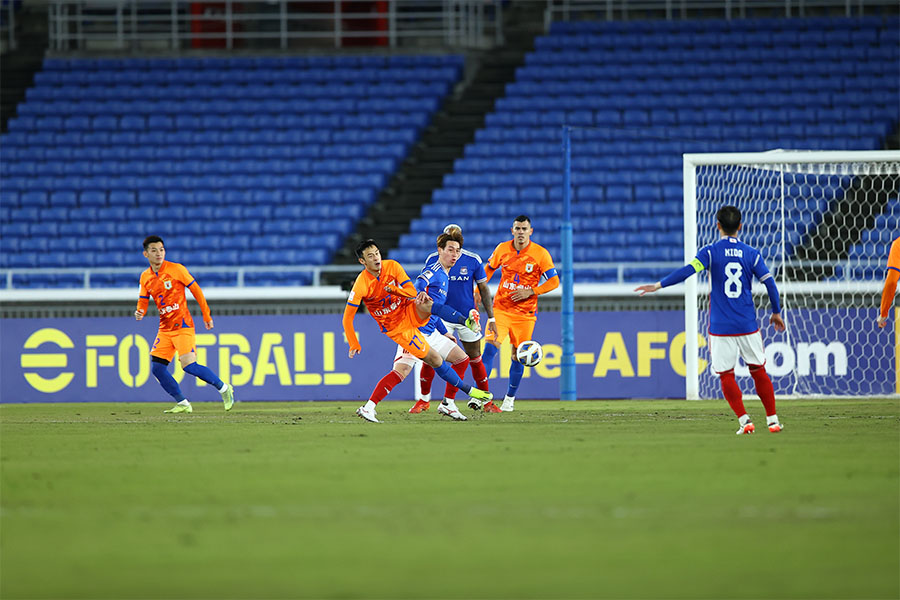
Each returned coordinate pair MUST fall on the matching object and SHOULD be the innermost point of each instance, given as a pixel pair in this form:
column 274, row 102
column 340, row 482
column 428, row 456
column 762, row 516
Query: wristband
column 492, row 320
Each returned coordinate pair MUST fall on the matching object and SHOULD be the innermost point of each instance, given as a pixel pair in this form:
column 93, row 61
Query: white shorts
column 725, row 349
column 464, row 333
column 436, row 340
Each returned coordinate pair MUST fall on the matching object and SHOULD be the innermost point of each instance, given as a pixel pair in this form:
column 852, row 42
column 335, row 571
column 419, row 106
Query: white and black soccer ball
column 529, row 353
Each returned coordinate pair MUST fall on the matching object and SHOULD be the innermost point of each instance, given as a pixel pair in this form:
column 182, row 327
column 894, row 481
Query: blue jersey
column 731, row 264
column 467, row 271
column 434, row 281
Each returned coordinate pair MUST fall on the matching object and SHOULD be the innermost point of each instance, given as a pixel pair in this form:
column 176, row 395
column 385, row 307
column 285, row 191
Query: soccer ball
column 529, row 353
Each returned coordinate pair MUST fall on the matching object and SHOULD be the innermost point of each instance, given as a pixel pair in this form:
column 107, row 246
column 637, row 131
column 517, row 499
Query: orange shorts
column 168, row 343
column 410, row 339
column 518, row 328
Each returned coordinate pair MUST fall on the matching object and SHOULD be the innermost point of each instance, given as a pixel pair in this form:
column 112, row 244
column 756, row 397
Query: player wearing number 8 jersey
column 733, row 330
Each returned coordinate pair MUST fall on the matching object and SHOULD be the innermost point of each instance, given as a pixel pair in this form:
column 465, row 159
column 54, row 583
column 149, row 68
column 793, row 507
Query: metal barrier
column 565, row 10
column 271, row 24
column 239, row 273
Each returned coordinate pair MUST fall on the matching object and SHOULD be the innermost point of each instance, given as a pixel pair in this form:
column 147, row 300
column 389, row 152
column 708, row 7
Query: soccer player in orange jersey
column 392, row 300
column 165, row 282
column 890, row 282
column 523, row 263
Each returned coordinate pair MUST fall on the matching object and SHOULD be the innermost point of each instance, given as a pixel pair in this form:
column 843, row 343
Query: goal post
column 823, row 222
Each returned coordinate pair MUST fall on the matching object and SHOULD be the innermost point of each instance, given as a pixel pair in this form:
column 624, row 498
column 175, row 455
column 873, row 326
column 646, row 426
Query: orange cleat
column 776, row 427
column 746, row 429
column 490, row 407
column 420, row 406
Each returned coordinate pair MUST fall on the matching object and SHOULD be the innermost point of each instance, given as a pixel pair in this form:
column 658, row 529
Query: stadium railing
column 564, row 10
column 238, row 275
column 177, row 24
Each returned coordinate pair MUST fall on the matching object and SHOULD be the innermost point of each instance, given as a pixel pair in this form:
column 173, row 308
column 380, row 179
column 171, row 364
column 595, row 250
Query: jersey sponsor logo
column 169, row 308
column 427, row 274
column 387, row 309
column 352, row 296
column 459, row 278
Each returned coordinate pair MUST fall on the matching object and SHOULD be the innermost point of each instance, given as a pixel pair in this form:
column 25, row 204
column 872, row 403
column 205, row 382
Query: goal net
column 823, row 222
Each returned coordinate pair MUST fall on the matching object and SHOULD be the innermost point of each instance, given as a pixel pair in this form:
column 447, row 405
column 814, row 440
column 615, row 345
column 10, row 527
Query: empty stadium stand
column 234, row 161
column 643, row 93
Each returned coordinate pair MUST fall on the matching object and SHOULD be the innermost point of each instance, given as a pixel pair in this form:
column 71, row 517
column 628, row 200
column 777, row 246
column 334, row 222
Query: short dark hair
column 729, row 217
column 361, row 247
column 456, row 236
column 522, row 219
column 153, row 239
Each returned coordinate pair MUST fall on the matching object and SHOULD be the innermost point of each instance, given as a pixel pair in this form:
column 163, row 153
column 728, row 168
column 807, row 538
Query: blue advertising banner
column 304, row 357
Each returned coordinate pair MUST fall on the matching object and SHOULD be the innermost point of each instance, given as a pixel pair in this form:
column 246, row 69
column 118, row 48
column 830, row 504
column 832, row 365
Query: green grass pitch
column 593, row 499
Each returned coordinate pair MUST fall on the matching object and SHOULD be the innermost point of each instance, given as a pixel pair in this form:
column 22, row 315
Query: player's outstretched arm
column 676, row 276
column 648, row 288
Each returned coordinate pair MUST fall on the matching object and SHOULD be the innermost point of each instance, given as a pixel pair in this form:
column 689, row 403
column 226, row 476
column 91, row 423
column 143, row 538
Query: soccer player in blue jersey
column 387, row 292
column 464, row 275
column 733, row 330
column 434, row 281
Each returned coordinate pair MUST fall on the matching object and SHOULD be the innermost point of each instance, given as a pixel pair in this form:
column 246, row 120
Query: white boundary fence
column 564, row 10
column 183, row 24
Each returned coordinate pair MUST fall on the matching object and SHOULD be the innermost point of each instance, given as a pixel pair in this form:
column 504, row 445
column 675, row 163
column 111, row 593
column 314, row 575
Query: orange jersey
column 167, row 290
column 521, row 269
column 391, row 311
column 891, row 278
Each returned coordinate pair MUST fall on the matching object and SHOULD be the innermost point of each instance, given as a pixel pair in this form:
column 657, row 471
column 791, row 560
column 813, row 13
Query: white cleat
column 474, row 404
column 450, row 410
column 368, row 415
column 509, row 405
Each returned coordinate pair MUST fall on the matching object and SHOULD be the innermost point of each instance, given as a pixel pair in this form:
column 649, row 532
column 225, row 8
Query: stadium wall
column 303, row 357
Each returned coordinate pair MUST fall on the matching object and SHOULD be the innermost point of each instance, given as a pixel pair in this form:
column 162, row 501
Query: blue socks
column 204, row 373
column 446, row 372
column 516, row 369
column 490, row 351
column 168, row 383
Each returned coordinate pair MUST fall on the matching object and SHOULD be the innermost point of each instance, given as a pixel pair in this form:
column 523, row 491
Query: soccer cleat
column 776, row 428
column 474, row 321
column 450, row 410
column 474, row 404
column 368, row 415
column 490, row 407
column 420, row 406
column 181, row 408
column 746, row 429
column 480, row 394
column 509, row 405
column 228, row 397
